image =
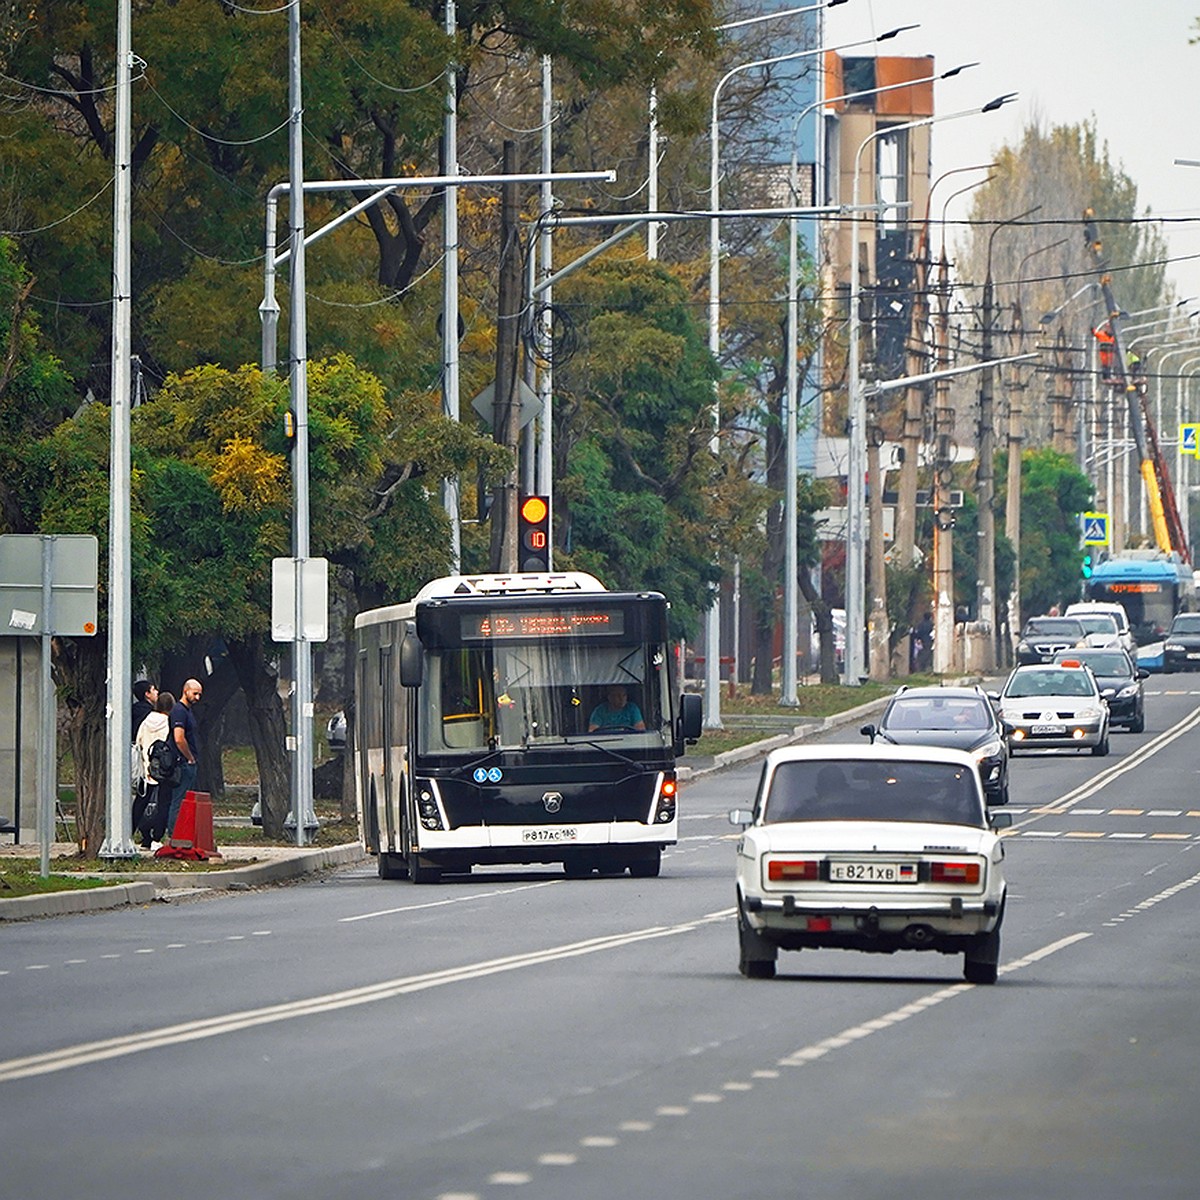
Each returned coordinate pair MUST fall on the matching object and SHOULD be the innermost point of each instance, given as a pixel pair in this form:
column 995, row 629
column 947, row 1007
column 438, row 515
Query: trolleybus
column 1151, row 586
column 477, row 738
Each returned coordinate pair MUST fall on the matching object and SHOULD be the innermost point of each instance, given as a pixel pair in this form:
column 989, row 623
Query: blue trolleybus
column 480, row 735
column 1151, row 586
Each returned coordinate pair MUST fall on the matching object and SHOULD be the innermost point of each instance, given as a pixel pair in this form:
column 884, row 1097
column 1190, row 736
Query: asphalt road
column 516, row 1034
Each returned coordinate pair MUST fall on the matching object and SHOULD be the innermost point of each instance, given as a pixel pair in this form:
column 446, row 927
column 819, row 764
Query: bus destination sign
column 540, row 623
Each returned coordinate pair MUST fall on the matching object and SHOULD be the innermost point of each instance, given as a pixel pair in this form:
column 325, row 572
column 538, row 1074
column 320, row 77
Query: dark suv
column 958, row 718
column 1043, row 637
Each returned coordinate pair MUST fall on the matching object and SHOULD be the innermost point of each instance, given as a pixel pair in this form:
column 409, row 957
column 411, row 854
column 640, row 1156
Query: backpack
column 164, row 762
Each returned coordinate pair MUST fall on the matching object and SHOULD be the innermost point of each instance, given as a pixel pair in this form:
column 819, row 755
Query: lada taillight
column 954, row 872
column 790, row 870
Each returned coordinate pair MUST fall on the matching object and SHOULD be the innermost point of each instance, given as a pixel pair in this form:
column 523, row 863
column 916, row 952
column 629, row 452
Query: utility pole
column 985, row 573
column 507, row 408
column 943, row 477
column 878, row 640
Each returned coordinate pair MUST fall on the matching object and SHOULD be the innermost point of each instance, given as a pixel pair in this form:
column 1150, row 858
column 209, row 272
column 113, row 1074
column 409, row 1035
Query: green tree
column 1053, row 494
column 211, row 507
column 641, row 501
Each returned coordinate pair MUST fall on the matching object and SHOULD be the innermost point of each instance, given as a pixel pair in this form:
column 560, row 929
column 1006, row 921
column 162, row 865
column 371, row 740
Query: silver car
column 1057, row 707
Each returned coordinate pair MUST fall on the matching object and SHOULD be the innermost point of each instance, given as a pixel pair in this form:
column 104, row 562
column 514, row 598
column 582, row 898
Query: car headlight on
column 988, row 750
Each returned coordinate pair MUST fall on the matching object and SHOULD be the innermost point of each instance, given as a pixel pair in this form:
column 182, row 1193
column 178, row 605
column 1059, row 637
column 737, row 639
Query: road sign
column 1189, row 439
column 69, row 563
column 1095, row 529
column 311, row 577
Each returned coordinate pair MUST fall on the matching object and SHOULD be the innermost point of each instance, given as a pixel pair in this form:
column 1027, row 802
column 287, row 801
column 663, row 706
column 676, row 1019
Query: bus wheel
column 392, row 866
column 646, row 866
column 419, row 871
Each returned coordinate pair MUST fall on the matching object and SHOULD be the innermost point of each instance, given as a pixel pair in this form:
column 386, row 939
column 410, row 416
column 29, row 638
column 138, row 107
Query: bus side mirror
column 690, row 720
column 411, row 657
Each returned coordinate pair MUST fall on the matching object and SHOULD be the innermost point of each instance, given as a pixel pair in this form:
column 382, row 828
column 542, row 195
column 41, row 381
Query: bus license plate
column 870, row 872
column 564, row 833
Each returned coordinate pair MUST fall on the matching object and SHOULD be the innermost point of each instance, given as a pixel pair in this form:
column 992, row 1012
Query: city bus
column 480, row 737
column 1151, row 586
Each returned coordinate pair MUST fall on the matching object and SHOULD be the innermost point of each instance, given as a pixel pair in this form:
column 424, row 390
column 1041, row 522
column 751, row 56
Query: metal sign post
column 48, row 586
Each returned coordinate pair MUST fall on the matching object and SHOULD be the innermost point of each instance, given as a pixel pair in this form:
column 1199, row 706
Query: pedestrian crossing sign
column 1189, row 439
column 1095, row 529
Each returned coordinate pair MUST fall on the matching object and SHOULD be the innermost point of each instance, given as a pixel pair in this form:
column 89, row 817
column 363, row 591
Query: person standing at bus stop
column 183, row 731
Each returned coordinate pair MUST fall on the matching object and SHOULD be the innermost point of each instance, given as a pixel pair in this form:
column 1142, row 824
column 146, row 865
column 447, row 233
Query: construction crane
column 1164, row 515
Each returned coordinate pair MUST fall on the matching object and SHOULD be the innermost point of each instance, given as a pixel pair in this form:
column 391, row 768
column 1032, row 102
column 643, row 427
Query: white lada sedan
column 876, row 848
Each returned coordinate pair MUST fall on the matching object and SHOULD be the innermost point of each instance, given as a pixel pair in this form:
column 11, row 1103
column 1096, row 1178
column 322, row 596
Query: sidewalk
column 253, row 866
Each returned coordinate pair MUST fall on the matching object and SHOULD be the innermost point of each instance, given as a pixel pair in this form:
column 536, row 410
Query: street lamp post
column 857, row 420
column 1012, row 508
column 789, row 696
column 712, row 660
column 985, row 479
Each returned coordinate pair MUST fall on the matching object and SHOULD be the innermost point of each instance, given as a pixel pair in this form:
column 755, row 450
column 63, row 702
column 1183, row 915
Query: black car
column 1120, row 681
column 1181, row 649
column 1043, row 637
column 958, row 718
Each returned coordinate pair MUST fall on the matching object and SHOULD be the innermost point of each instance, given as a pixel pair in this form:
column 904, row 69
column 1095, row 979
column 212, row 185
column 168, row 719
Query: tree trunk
column 823, row 620
column 81, row 665
column 268, row 731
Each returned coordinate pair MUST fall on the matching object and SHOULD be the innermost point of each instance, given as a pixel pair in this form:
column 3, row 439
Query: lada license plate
column 1036, row 729
column 872, row 872
column 557, row 833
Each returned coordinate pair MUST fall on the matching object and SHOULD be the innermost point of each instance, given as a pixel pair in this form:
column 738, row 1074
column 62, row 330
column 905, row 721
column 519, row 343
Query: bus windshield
column 508, row 695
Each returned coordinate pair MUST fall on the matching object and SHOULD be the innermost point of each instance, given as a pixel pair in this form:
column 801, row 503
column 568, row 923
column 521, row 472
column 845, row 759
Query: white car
column 1056, row 706
column 875, row 848
column 1116, row 611
column 1101, row 629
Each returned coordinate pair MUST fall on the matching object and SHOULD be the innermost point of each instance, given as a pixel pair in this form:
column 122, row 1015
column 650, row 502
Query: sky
column 1125, row 63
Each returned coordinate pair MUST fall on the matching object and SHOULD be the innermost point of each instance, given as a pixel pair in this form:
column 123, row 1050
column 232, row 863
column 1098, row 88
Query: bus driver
column 616, row 712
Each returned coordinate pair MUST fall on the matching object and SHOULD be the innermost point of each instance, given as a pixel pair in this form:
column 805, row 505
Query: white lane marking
column 558, row 1160
column 807, row 1054
column 1165, row 812
column 510, row 1177
column 1152, row 747
column 671, row 1110
column 207, row 1027
column 599, row 1141
column 388, row 912
column 636, row 1126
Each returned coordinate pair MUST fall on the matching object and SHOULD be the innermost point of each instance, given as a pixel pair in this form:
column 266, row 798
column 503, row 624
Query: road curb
column 143, row 887
column 53, row 904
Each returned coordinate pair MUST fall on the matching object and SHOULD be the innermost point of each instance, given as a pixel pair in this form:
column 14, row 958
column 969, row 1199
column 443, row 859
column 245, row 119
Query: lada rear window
column 877, row 790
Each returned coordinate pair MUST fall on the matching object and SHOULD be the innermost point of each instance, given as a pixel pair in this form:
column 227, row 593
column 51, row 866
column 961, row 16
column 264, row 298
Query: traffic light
column 1086, row 566
column 533, row 532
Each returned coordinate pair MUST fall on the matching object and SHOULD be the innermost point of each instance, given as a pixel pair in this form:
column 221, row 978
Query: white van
column 1116, row 611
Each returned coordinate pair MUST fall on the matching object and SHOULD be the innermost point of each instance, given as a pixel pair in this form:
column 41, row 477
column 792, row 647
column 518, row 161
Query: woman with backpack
column 153, row 802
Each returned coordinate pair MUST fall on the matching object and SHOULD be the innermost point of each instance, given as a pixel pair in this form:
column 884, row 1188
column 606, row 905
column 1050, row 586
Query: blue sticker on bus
column 480, row 775
column 495, row 775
